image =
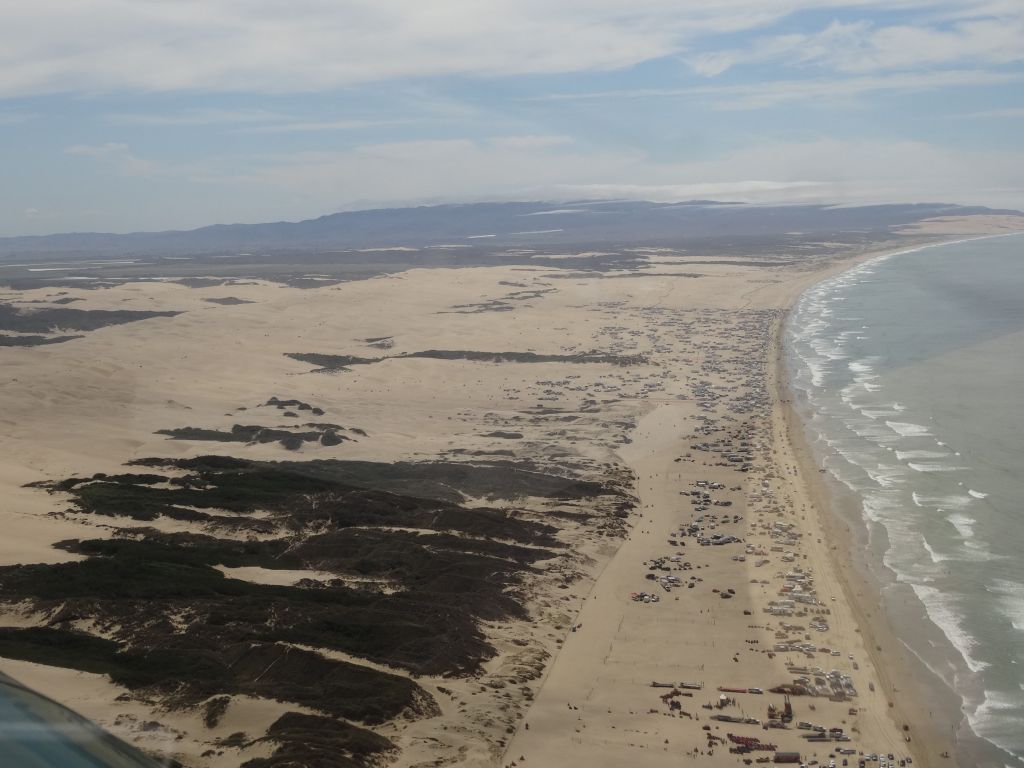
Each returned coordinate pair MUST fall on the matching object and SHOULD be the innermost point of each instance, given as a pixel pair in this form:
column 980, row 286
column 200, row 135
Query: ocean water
column 910, row 371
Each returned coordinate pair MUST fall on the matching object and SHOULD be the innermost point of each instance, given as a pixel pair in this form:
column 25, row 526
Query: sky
column 129, row 115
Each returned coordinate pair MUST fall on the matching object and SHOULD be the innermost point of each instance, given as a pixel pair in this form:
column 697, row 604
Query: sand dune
column 578, row 670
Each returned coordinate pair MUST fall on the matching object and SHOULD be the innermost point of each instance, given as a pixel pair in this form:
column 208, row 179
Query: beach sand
column 572, row 685
column 597, row 705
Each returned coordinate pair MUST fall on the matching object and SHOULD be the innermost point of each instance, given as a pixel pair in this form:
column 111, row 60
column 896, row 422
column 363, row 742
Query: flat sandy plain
column 570, row 683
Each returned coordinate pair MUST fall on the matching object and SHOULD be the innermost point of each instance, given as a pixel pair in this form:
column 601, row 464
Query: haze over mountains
column 507, row 225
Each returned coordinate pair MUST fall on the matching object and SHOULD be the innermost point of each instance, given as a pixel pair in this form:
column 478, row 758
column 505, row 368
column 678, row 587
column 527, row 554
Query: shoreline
column 605, row 676
column 610, row 718
column 861, row 591
column 926, row 739
column 942, row 729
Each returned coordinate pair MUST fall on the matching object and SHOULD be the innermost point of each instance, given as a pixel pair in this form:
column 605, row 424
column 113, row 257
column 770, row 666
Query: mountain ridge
column 504, row 223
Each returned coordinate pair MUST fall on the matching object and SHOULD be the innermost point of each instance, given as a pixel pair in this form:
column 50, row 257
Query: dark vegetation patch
column 421, row 562
column 653, row 274
column 421, row 495
column 203, row 282
column 337, row 427
column 214, row 710
column 308, row 741
column 494, row 305
column 297, row 404
column 228, row 301
column 71, row 280
column 45, row 320
column 33, row 341
column 333, row 363
column 291, row 438
column 189, row 675
column 445, row 566
column 305, row 281
column 448, row 480
column 502, row 304
column 424, row 630
column 65, row 300
column 533, row 293
column 251, row 434
column 406, row 576
column 380, row 342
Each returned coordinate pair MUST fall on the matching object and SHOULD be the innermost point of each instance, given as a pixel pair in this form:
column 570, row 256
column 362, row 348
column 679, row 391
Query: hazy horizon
column 148, row 117
column 574, row 204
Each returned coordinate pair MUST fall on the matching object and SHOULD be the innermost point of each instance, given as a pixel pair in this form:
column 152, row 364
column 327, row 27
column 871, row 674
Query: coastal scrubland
column 304, row 527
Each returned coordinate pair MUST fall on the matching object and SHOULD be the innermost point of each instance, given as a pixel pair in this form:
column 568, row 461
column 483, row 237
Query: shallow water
column 912, row 371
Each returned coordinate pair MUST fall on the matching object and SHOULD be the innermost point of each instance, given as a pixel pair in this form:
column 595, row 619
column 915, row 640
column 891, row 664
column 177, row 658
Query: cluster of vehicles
column 820, row 625
column 884, row 761
column 644, row 597
column 668, row 564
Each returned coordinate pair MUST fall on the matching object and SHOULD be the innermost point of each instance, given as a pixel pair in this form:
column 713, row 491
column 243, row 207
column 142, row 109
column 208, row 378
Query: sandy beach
column 598, row 705
column 651, row 638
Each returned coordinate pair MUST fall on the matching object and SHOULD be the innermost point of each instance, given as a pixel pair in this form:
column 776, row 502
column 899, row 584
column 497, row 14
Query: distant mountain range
column 522, row 224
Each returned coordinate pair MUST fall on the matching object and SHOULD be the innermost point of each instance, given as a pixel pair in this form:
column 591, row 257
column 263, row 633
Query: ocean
column 909, row 372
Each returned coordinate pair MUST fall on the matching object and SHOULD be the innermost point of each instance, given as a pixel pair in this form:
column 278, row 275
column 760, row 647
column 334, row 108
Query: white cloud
column 876, row 171
column 307, row 45
column 790, row 48
column 739, row 190
column 773, row 92
column 982, row 41
column 425, row 169
column 530, row 142
column 190, row 117
column 118, row 156
column 15, row 118
column 247, row 121
column 1009, row 112
column 300, row 185
column 457, row 170
column 817, row 90
column 988, row 36
column 318, row 126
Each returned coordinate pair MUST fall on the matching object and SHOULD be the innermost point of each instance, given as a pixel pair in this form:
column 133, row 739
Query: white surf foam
column 881, row 506
column 1011, row 601
column 870, row 430
column 963, row 523
column 904, row 455
column 997, row 719
column 908, row 429
column 946, row 502
column 931, row 466
column 943, row 614
column 887, row 476
column 818, row 369
column 936, row 557
column 879, row 413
